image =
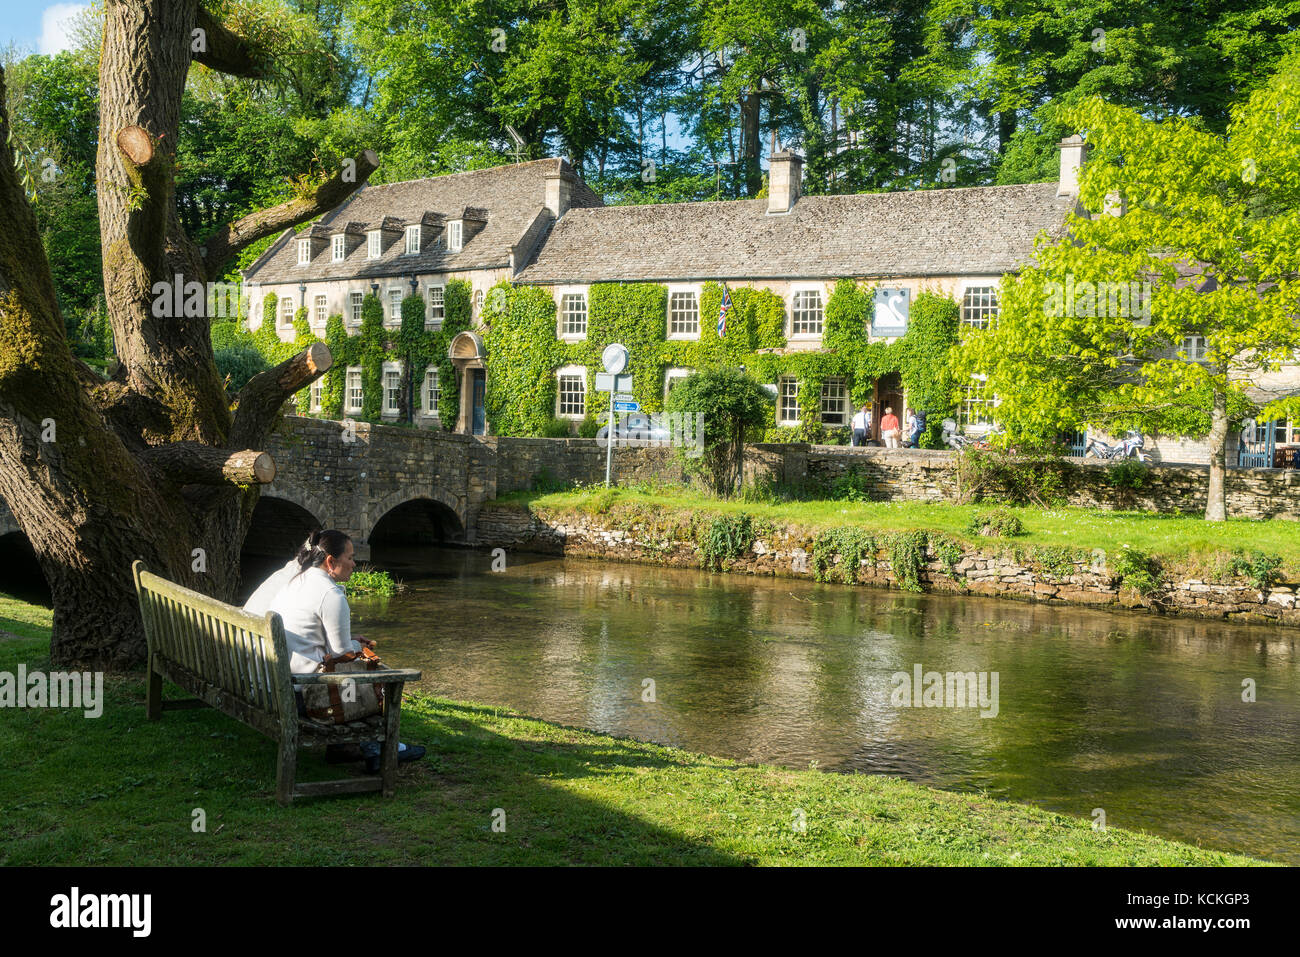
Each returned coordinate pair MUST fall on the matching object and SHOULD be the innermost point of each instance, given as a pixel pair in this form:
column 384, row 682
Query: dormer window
column 453, row 236
column 412, row 240
column 374, row 244
column 304, row 252
column 338, row 248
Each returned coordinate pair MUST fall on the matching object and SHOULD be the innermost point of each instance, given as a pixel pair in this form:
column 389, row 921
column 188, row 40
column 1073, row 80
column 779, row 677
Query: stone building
column 537, row 224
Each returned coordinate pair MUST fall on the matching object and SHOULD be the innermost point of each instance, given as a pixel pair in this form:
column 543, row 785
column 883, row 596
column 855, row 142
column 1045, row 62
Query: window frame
column 338, row 247
column 562, row 317
column 374, row 243
column 391, row 367
column 570, row 372
column 356, row 300
column 430, row 405
column 316, row 397
column 675, row 374
column 781, row 399
column 455, row 236
column 413, row 230
column 990, row 320
column 477, row 303
column 283, row 320
column 395, row 306
column 429, row 317
column 348, row 407
column 797, row 291
column 304, row 252
column 695, row 290
column 1182, row 348
column 842, row 398
column 974, row 397
column 320, row 309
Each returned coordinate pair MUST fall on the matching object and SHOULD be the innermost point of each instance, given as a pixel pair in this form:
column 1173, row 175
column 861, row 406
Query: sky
column 34, row 25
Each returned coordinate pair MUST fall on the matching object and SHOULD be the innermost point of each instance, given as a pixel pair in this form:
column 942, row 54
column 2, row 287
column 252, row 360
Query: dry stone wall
column 987, row 570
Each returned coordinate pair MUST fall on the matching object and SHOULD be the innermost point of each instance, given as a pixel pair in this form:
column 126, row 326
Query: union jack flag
column 722, row 313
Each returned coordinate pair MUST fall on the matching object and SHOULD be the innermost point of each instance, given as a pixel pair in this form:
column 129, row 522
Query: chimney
column 1073, row 149
column 559, row 190
column 785, row 174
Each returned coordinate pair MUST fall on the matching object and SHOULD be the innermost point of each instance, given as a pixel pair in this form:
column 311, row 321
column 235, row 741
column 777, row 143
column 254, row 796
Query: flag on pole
column 722, row 313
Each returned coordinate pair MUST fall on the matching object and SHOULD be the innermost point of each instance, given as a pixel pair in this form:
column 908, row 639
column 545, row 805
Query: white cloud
column 55, row 22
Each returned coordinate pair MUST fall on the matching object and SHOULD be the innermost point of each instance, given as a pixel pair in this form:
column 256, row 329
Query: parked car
column 636, row 428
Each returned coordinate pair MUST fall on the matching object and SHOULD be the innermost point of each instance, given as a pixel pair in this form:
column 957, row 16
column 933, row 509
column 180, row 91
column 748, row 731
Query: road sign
column 614, row 358
column 627, row 407
column 605, row 382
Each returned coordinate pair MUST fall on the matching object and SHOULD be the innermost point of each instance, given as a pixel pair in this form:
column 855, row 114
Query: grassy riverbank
column 122, row 790
column 1186, row 545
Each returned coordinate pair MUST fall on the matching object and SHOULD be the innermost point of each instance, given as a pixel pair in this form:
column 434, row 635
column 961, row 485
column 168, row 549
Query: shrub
column 852, row 544
column 555, row 428
column 238, row 363
column 852, row 486
column 998, row 523
column 1261, row 568
column 726, row 538
column 907, row 556
column 734, row 407
column 947, row 551
column 589, row 426
column 1013, row 478
column 1137, row 570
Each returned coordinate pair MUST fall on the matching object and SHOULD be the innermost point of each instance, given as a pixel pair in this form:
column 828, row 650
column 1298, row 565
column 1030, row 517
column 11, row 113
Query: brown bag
column 339, row 704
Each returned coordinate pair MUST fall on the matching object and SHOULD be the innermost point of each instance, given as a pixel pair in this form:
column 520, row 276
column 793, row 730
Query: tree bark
column 1216, row 503
column 151, row 464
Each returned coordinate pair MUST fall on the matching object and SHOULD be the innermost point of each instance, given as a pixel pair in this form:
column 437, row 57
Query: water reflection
column 1138, row 715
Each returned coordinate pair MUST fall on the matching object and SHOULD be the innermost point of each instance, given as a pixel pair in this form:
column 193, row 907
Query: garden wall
column 994, row 570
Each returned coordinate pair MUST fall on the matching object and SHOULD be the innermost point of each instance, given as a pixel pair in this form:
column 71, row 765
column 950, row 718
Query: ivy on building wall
column 368, row 348
column 524, row 350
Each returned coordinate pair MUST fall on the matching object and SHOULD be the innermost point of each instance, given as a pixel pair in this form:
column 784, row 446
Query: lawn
column 123, row 790
column 1185, row 543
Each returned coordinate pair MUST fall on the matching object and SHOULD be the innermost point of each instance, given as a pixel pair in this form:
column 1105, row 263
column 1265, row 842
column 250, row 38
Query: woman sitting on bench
column 308, row 595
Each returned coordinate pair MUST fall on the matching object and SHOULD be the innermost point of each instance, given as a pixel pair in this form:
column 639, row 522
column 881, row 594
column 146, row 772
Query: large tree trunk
column 152, row 464
column 1216, row 503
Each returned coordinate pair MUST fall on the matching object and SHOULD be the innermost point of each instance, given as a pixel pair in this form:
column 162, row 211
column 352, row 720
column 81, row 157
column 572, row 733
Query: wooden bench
column 238, row 663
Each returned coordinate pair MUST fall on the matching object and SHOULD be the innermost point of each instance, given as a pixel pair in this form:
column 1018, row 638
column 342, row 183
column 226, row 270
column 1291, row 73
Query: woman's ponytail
column 321, row 543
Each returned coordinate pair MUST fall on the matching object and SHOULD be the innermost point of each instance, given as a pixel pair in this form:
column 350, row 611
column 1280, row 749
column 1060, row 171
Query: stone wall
column 988, row 570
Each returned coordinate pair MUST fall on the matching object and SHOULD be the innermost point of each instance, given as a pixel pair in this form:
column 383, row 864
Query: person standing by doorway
column 861, row 427
column 915, row 426
column 889, row 428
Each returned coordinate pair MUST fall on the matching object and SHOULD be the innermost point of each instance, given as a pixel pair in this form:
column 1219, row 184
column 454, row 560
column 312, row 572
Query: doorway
column 889, row 395
column 478, row 388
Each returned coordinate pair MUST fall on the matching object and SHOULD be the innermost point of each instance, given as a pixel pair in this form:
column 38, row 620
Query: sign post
column 614, row 359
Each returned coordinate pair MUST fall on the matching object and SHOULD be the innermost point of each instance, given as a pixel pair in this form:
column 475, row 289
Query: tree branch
column 191, row 463
column 233, row 237
column 266, row 392
column 227, row 52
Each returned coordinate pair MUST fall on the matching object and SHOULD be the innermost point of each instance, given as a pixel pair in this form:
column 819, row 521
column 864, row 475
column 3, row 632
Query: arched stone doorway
column 467, row 354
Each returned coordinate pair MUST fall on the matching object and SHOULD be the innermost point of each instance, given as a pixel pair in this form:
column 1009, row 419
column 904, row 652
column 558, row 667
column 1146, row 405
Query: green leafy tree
column 734, row 406
column 1212, row 224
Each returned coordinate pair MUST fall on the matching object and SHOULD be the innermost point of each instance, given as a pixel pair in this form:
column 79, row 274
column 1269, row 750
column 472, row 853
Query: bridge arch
column 416, row 517
column 23, row 575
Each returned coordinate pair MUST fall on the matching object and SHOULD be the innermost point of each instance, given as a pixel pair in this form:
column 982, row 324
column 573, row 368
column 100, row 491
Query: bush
column 998, row 523
column 907, row 556
column 589, row 426
column 556, row 429
column 734, row 406
column 238, row 363
column 727, row 537
column 1014, row 479
column 852, row 486
column 1261, row 568
column 852, row 544
column 1136, row 570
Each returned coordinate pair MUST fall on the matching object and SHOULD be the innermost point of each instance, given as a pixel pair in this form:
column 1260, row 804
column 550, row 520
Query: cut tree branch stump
column 191, row 463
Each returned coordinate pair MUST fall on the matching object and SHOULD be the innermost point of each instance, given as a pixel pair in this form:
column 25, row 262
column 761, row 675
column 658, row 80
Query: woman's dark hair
column 329, row 541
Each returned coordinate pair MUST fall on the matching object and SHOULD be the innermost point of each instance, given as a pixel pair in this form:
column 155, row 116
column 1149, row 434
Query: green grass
column 123, row 790
column 25, row 620
column 1187, row 544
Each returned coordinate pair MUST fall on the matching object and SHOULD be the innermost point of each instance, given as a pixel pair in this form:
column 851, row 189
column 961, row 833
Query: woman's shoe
column 405, row 752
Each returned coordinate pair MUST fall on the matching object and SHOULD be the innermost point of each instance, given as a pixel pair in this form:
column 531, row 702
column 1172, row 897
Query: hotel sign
column 892, row 307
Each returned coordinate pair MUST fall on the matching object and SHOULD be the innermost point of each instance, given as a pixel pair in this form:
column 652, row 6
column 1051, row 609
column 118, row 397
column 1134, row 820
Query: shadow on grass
column 124, row 790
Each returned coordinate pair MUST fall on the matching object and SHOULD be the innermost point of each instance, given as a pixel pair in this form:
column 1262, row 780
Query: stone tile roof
column 507, row 198
column 975, row 231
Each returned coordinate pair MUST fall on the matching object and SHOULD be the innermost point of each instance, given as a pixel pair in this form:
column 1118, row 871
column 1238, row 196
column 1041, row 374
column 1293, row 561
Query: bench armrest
column 359, row 677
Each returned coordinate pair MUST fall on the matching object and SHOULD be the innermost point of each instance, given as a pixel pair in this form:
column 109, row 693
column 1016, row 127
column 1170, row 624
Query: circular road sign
column 615, row 358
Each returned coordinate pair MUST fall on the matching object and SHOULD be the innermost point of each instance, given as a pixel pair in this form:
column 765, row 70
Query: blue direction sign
column 627, row 407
